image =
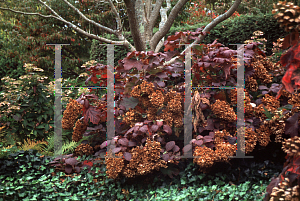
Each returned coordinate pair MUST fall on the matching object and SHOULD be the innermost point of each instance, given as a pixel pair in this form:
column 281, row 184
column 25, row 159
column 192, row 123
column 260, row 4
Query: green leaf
column 267, row 113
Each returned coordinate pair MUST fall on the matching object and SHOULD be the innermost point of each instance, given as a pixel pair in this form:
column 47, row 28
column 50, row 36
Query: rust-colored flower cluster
column 83, row 149
column 223, row 111
column 291, row 146
column 143, row 161
column 132, row 117
column 79, row 129
column 250, row 140
column 144, row 89
column 261, row 71
column 71, row 114
column 285, row 192
column 251, row 84
column 152, row 100
column 271, row 103
column 206, row 157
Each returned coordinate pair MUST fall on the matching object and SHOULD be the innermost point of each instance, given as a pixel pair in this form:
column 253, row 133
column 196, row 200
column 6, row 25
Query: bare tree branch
column 118, row 19
column 153, row 18
column 76, row 28
column 134, row 27
column 162, row 32
column 208, row 27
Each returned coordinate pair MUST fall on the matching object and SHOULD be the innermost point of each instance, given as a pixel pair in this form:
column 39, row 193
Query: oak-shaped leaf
column 130, row 102
column 92, row 114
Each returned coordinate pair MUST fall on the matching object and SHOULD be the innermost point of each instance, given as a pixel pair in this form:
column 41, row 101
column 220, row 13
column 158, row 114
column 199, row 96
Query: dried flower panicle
column 223, row 151
column 271, row 103
column 294, row 99
column 263, row 135
column 143, row 161
column 79, row 129
column 205, row 157
column 223, row 110
column 251, row 84
column 167, row 116
column 144, row 89
column 260, row 71
column 71, row 114
column 291, row 146
column 132, row 117
column 157, row 98
column 285, row 192
column 175, row 104
column 114, row 165
column 83, row 149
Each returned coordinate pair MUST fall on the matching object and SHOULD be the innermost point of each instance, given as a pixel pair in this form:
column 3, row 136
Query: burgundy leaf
column 291, row 125
column 207, row 139
column 123, row 141
column 165, row 157
column 105, row 144
column 161, row 84
column 71, row 161
column 170, row 145
column 187, row 148
column 199, row 142
column 117, row 149
column 77, row 169
column 68, row 169
column 159, row 123
column 176, row 148
column 167, row 129
column 127, row 156
column 154, row 128
column 144, row 129
column 131, row 144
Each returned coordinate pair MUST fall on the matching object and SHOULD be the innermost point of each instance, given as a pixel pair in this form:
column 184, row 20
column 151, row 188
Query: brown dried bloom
column 285, row 191
column 271, row 103
column 259, row 112
column 205, row 157
column 144, row 161
column 151, row 113
column 114, row 165
column 250, row 140
column 169, row 96
column 132, row 117
column 263, row 134
column 71, row 114
column 261, row 72
column 294, row 99
column 220, row 136
column 251, row 84
column 223, row 151
column 291, row 146
column 177, row 120
column 223, row 110
column 143, row 89
column 157, row 99
column 83, row 149
column 175, row 104
column 167, row 116
column 145, row 101
column 79, row 129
